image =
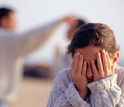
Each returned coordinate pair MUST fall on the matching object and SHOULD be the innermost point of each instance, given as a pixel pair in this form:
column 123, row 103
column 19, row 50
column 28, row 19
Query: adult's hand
column 69, row 19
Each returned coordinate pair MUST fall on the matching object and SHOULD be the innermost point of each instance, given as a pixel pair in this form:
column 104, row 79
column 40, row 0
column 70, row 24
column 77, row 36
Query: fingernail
column 81, row 56
column 106, row 53
column 103, row 51
column 78, row 53
column 98, row 54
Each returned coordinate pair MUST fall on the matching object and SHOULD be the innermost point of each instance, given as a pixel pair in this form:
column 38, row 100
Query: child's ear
column 115, row 58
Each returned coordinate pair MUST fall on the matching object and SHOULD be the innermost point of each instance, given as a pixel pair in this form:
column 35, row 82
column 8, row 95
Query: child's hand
column 78, row 72
column 103, row 68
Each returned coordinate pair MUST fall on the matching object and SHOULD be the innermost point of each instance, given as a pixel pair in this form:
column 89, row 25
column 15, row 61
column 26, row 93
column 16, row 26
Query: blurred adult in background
column 61, row 59
column 13, row 49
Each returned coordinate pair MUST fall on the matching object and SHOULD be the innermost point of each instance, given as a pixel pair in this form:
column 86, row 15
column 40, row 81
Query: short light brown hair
column 94, row 34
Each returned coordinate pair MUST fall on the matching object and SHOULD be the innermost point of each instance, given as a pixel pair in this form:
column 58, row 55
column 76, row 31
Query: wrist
column 83, row 93
column 103, row 84
column 81, row 89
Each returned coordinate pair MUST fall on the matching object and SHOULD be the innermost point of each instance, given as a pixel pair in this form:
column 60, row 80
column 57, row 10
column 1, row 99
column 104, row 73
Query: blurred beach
column 33, row 93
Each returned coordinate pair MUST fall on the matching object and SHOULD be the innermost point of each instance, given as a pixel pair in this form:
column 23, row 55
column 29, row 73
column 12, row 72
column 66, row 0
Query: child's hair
column 94, row 34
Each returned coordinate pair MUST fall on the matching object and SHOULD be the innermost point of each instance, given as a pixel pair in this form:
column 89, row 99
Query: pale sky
column 33, row 13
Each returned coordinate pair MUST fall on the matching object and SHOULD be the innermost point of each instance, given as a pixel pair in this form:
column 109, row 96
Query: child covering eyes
column 94, row 78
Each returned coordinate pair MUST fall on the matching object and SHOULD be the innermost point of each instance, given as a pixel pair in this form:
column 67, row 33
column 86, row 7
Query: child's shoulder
column 119, row 69
column 64, row 75
column 120, row 72
column 66, row 71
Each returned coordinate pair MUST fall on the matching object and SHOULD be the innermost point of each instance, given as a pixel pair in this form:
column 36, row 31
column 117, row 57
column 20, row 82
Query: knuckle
column 101, row 76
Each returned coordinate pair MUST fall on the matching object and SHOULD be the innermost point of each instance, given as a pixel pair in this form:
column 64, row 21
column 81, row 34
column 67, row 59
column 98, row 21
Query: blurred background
column 34, row 13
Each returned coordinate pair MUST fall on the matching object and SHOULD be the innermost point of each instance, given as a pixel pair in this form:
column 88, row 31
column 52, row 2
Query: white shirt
column 13, row 49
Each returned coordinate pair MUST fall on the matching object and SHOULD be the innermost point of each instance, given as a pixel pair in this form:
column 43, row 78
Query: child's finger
column 80, row 64
column 104, row 61
column 95, row 72
column 84, row 69
column 99, row 64
column 108, row 59
column 75, row 62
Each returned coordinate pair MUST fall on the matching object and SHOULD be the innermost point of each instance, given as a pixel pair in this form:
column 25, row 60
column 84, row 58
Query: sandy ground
column 34, row 93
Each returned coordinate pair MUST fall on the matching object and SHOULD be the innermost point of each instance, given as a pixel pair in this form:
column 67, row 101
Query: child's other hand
column 103, row 68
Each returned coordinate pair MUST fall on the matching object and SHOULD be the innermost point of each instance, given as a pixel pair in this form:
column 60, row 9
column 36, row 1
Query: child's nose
column 89, row 73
